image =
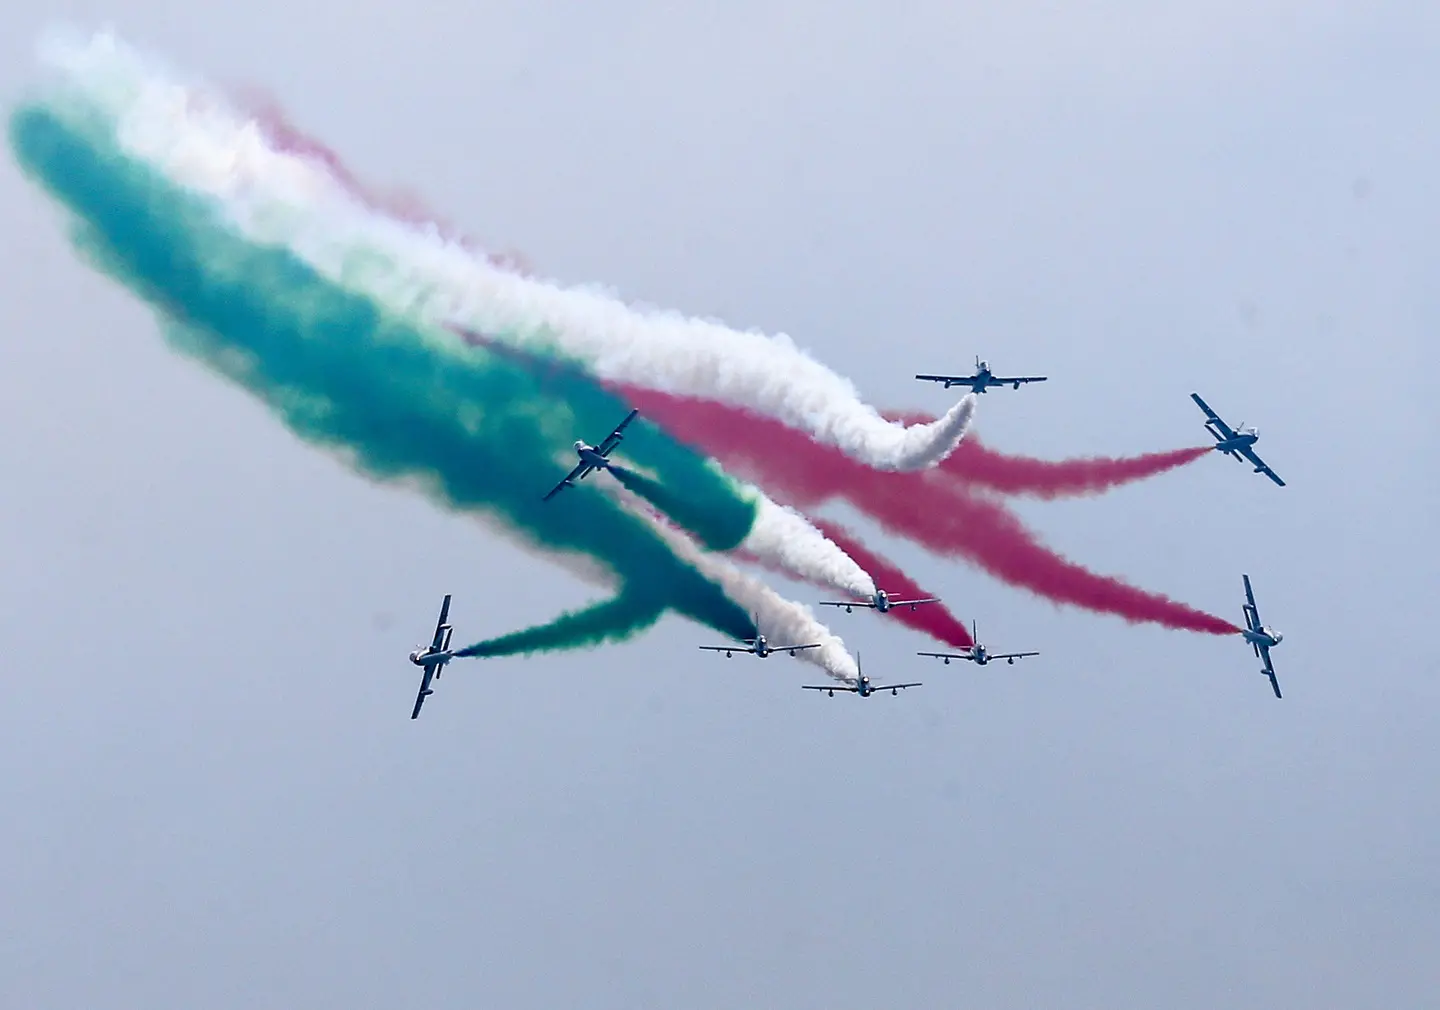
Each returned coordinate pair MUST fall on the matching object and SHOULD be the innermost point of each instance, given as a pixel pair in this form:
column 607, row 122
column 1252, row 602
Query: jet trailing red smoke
column 934, row 619
column 980, row 466
column 931, row 509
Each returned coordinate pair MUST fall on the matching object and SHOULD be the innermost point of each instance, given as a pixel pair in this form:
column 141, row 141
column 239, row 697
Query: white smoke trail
column 786, row 539
column 186, row 149
column 782, row 621
column 285, row 198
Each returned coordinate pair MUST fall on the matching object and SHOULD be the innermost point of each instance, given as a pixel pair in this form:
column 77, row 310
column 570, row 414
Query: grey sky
column 215, row 797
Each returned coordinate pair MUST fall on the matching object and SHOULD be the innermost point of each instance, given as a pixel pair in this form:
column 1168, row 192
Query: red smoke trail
column 977, row 464
column 948, row 630
column 933, row 618
column 915, row 504
column 936, row 512
column 287, row 138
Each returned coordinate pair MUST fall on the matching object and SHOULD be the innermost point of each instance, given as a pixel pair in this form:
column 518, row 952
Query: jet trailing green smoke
column 399, row 400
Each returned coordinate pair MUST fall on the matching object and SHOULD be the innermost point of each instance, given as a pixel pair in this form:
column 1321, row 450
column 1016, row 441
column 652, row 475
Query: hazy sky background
column 215, row 798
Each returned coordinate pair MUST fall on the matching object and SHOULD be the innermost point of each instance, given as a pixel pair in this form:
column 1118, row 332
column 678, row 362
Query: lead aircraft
column 983, row 378
column 862, row 685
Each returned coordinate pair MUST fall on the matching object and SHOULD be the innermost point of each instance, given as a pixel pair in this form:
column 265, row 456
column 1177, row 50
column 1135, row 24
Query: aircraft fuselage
column 1265, row 638
column 1235, row 444
column 590, row 457
column 422, row 657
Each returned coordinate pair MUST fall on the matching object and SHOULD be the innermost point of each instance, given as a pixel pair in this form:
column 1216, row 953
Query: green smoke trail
column 401, row 400
column 697, row 495
column 720, row 529
column 612, row 619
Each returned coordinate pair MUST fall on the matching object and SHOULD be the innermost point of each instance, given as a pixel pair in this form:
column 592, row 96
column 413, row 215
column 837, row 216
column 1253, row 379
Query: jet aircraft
column 983, row 378
column 1261, row 638
column 434, row 658
column 880, row 602
column 977, row 653
column 758, row 646
column 593, row 457
column 1235, row 442
column 862, row 686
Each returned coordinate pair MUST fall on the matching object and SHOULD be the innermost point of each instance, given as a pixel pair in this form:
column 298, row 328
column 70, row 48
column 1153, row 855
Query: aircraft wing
column 954, row 380
column 912, row 603
column 1269, row 671
column 947, row 655
column 1225, row 429
column 877, row 688
column 836, row 687
column 614, row 438
column 727, row 648
column 580, row 470
column 438, row 642
column 1251, row 611
column 847, row 603
column 1009, row 380
column 425, row 690
column 1260, row 465
column 793, row 648
column 1014, row 655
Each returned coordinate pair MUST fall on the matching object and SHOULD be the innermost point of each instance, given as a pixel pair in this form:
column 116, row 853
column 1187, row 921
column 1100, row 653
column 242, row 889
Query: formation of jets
column 1237, row 442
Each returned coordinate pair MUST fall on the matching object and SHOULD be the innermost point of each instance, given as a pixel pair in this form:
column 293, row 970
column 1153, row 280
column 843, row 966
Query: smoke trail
column 406, row 208
column 399, row 401
column 780, row 620
column 1022, row 475
column 299, row 200
column 978, row 465
column 993, row 538
column 719, row 529
column 800, row 547
column 766, row 530
column 611, row 620
column 778, row 536
column 917, row 505
column 934, row 619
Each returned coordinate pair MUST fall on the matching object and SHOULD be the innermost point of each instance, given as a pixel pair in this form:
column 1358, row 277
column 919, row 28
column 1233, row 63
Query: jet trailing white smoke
column 782, row 621
column 276, row 196
column 784, row 538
